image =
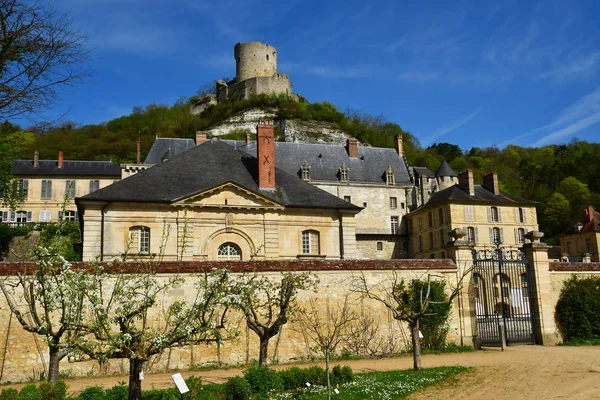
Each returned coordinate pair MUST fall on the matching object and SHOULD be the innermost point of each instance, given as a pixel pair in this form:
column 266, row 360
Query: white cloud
column 449, row 128
column 339, row 72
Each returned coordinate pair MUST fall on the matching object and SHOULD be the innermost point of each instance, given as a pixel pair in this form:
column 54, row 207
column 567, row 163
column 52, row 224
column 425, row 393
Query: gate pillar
column 460, row 251
column 536, row 253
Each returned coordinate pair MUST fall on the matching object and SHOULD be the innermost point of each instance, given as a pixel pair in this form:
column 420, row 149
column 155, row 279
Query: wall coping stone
column 574, row 266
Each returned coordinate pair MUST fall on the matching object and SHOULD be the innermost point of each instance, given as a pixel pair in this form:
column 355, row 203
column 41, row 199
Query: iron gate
column 502, row 289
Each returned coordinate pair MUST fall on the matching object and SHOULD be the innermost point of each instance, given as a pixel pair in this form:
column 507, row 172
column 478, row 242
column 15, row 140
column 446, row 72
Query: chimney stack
column 589, row 211
column 36, row 158
column 352, row 145
column 265, row 153
column 490, row 182
column 398, row 144
column 60, row 159
column 248, row 138
column 200, row 137
column 466, row 182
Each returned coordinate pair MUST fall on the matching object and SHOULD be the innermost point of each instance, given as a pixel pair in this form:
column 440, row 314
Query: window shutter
column 50, row 189
column 476, row 235
column 516, row 235
column 29, row 215
column 4, row 216
column 501, row 235
column 25, row 185
column 76, row 215
column 524, row 215
column 468, row 213
column 60, row 213
column 499, row 214
column 13, row 216
column 489, row 210
column 42, row 217
column 492, row 235
column 517, row 215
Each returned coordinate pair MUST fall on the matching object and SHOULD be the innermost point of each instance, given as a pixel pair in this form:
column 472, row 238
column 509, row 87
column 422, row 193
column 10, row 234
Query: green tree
column 556, row 213
column 578, row 195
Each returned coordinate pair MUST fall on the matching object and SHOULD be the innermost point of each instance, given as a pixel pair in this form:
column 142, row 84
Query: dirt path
column 521, row 372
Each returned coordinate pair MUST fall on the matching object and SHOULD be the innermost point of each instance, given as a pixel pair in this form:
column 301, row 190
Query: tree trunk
column 327, row 374
column 53, row 367
column 135, row 384
column 262, row 357
column 416, row 345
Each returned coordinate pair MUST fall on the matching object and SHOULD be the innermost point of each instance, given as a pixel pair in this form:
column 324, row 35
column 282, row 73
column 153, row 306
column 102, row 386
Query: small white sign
column 178, row 379
column 141, row 375
column 420, row 335
column 336, row 391
column 307, row 384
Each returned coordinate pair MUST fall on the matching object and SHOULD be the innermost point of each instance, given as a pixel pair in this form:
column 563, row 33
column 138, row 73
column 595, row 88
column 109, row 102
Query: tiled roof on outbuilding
column 69, row 168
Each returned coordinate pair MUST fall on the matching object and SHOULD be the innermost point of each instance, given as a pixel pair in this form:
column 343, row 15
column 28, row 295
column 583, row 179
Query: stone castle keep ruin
column 255, row 73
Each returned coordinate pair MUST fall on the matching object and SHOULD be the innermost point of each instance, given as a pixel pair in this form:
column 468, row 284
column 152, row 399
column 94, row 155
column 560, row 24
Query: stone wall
column 23, row 356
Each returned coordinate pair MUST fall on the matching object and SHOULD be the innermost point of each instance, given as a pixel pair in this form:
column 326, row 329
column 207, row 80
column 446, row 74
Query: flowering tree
column 124, row 322
column 48, row 301
column 327, row 327
column 267, row 304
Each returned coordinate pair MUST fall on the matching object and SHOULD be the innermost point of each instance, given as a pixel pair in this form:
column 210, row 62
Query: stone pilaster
column 185, row 236
column 460, row 251
column 545, row 328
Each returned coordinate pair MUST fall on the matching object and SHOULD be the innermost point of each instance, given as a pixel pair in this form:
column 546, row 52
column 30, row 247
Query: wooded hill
column 563, row 178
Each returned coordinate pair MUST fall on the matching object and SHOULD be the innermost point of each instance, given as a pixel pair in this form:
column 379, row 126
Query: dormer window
column 389, row 176
column 344, row 173
column 306, row 175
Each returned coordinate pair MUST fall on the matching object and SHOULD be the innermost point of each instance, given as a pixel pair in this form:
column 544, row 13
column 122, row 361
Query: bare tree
column 408, row 300
column 39, row 54
column 268, row 304
column 48, row 301
column 327, row 327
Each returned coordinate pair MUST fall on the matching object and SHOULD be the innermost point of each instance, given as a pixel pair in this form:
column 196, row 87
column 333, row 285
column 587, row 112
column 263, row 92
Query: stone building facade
column 49, row 186
column 581, row 242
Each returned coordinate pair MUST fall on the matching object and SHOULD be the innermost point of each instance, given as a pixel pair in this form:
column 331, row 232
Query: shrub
column 293, row 378
column 194, row 383
column 237, row 388
column 9, row 394
column 118, row 392
column 30, row 392
column 92, row 393
column 165, row 394
column 341, row 375
column 435, row 327
column 578, row 309
column 57, row 391
column 316, row 376
column 263, row 379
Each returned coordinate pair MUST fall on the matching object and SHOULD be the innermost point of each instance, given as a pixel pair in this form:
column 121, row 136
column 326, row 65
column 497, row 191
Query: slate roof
column 70, row 168
column 445, row 170
column 167, row 148
column 589, row 223
column 207, row 166
column 482, row 195
column 325, row 161
column 423, row 171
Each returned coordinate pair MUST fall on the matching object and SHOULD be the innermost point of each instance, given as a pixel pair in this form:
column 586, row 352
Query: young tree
column 408, row 300
column 267, row 304
column 327, row 327
column 39, row 54
column 48, row 301
column 125, row 322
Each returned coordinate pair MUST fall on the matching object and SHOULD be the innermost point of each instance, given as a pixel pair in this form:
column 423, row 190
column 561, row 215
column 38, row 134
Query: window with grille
column 310, row 242
column 140, row 239
column 20, row 217
column 46, row 189
column 394, row 224
column 306, row 176
column 70, row 189
column 229, row 251
column 393, row 202
column 493, row 214
column 344, row 173
column 496, row 238
column 68, row 215
column 94, row 185
column 23, row 187
column 389, row 176
column 520, row 236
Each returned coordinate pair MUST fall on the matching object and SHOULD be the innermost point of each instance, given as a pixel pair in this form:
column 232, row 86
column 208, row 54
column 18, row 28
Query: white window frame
column 311, row 242
column 395, row 224
column 393, row 203
column 94, row 185
column 469, row 213
column 45, row 216
column 140, row 239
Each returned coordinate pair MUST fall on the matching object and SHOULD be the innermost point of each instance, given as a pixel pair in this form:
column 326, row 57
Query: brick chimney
column 352, row 146
column 490, row 182
column 265, row 153
column 36, row 158
column 589, row 213
column 466, row 183
column 398, row 144
column 60, row 159
column 248, row 138
column 200, row 137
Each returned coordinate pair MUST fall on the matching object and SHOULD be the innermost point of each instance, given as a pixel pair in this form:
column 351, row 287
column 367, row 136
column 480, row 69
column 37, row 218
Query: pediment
column 228, row 195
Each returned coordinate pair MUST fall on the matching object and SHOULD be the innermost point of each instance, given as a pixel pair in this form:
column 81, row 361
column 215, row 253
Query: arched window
column 139, row 237
column 496, row 236
column 479, row 294
column 306, row 176
column 310, row 242
column 471, row 234
column 229, row 251
column 493, row 215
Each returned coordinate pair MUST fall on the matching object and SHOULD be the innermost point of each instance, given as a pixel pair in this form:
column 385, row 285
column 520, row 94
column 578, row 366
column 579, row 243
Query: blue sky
column 472, row 73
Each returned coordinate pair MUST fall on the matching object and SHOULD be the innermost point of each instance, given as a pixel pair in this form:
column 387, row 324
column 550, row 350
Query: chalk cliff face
column 295, row 130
